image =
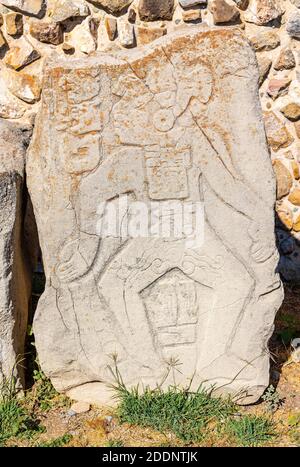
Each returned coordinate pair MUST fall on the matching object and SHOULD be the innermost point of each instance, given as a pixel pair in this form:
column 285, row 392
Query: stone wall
column 33, row 29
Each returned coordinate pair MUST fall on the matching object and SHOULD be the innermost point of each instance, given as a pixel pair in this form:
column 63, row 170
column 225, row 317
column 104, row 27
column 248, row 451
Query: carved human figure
column 142, row 166
column 161, row 124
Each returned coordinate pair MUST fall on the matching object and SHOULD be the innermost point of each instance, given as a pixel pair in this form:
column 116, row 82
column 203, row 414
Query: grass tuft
column 15, row 420
column 251, row 430
column 187, row 414
column 115, row 443
column 56, row 443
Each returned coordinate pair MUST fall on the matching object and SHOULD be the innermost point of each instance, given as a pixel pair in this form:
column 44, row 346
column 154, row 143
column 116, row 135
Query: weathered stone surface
column 263, row 11
column 21, row 54
column 126, row 33
column 68, row 48
column 148, row 122
column 297, row 128
column 291, row 111
column 14, row 24
column 265, row 40
column 294, row 197
column 154, row 10
column 264, row 65
column 293, row 24
column 191, row 16
column 24, row 86
column 296, row 224
column 295, row 169
column 80, row 407
column 242, row 4
column 285, row 60
column 10, row 107
column 296, row 3
column 84, row 36
column 285, row 217
column 72, row 8
column 46, row 31
column 112, row 6
column 3, row 43
column 191, row 3
column 278, row 87
column 223, row 12
column 111, row 27
column 146, row 35
column 277, row 134
column 283, row 177
column 28, row 7
column 132, row 15
column 15, row 268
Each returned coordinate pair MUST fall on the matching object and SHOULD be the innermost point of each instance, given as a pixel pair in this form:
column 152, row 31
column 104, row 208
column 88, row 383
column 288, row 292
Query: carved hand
column 261, row 249
column 71, row 269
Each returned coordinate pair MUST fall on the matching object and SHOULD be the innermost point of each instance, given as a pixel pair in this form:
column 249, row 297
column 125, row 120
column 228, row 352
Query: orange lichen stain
column 111, row 175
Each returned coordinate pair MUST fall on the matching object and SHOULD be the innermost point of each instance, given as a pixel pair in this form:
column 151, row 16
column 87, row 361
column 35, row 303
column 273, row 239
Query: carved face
column 152, row 101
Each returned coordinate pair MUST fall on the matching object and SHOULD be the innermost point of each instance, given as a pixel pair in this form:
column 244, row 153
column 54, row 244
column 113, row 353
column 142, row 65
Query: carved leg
column 121, row 286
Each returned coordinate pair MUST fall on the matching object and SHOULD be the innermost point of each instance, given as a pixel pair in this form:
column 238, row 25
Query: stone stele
column 176, row 121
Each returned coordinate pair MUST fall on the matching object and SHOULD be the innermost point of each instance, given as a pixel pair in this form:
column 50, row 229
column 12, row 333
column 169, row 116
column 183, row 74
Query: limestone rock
column 25, row 86
column 264, row 65
column 296, row 224
column 68, row 48
column 297, row 128
column 46, row 31
column 191, row 3
column 21, row 54
column 154, row 10
column 112, row 6
column 263, row 11
column 84, row 36
column 146, row 35
column 63, row 10
column 285, row 60
column 283, row 177
column 293, row 25
column 191, row 16
column 291, row 111
column 80, row 407
column 27, row 7
column 295, row 170
column 265, row 40
column 289, row 105
column 131, row 15
column 126, row 34
column 14, row 24
column 277, row 134
column 285, row 217
column 277, row 87
column 111, row 27
column 10, row 107
column 3, row 43
column 294, row 197
column 223, row 12
column 15, row 268
column 142, row 125
column 242, row 4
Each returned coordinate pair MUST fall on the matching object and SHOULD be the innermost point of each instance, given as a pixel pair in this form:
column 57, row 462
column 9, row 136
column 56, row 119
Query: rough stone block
column 15, row 266
column 178, row 121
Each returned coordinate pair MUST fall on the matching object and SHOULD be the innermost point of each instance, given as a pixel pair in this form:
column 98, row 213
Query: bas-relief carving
column 160, row 125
